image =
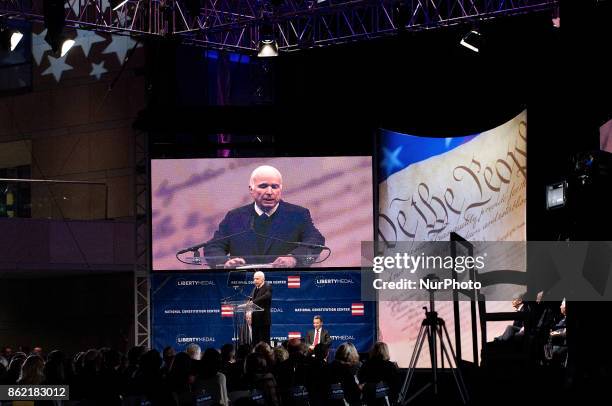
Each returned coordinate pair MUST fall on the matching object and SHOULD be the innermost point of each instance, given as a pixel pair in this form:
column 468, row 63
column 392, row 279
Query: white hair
column 194, row 351
column 264, row 169
column 259, row 273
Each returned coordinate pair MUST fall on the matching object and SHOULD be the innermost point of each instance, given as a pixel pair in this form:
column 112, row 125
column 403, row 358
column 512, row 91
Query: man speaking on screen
column 269, row 230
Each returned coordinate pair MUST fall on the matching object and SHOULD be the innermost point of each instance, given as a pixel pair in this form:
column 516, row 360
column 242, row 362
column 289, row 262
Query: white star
column 57, row 67
column 85, row 39
column 97, row 69
column 120, row 45
column 39, row 46
column 391, row 160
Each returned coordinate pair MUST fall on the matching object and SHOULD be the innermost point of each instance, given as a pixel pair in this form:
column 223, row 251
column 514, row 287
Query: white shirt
column 260, row 211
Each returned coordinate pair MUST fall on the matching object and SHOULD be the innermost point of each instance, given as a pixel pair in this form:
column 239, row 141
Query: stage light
column 267, row 44
column 9, row 39
column 115, row 4
column 472, row 41
column 60, row 44
column 267, row 48
column 55, row 20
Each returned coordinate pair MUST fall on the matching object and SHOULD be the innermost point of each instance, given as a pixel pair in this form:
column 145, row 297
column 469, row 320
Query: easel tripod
column 433, row 329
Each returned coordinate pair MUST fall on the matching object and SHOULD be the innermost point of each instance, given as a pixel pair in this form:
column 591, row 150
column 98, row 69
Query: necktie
column 316, row 340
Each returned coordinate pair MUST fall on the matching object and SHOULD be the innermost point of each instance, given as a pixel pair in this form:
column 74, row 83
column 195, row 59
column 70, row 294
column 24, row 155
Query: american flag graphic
column 293, row 282
column 294, row 334
column 227, row 310
column 357, row 309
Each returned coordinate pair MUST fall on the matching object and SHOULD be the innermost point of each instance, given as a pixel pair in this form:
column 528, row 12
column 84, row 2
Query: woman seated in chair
column 378, row 368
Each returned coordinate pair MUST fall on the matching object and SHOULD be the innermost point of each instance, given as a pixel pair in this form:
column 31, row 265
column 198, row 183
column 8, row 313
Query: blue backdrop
column 187, row 307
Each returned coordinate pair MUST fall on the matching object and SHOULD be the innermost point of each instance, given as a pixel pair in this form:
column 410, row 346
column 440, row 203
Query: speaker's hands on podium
column 234, row 262
column 285, row 262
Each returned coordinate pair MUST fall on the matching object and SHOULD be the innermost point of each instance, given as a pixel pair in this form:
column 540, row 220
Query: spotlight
column 55, row 20
column 115, row 4
column 472, row 41
column 267, row 48
column 267, row 44
column 60, row 44
column 9, row 39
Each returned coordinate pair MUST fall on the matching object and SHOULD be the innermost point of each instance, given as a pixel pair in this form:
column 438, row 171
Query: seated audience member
column 55, row 369
column 168, row 355
column 235, row 371
column 295, row 370
column 147, row 379
column 228, row 355
column 257, row 378
column 181, row 378
column 378, row 368
column 14, row 369
column 265, row 350
column 194, row 351
column 319, row 375
column 133, row 357
column 111, row 376
column 344, row 370
column 7, row 353
column 32, row 371
column 210, row 380
column 86, row 384
column 280, row 355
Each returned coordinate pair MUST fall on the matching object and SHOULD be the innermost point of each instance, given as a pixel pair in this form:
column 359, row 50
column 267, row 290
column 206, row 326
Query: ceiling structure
column 296, row 24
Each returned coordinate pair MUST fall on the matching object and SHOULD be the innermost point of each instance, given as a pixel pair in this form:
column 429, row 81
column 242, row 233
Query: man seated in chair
column 318, row 335
column 516, row 331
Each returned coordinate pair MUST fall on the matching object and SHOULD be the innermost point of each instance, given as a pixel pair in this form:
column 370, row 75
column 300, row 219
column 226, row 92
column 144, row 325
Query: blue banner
column 187, row 307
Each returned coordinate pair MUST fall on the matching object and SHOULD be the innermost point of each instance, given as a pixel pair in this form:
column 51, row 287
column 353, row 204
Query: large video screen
column 472, row 185
column 260, row 212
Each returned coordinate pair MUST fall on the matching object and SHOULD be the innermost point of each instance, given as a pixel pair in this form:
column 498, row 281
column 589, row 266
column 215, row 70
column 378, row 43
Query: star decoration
column 97, row 69
column 39, row 46
column 57, row 67
column 391, row 160
column 85, row 39
column 120, row 45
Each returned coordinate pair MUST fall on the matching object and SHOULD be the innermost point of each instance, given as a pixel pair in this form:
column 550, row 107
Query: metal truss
column 142, row 308
column 297, row 24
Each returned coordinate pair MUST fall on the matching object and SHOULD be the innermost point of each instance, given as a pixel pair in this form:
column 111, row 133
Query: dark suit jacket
column 325, row 338
column 289, row 222
column 262, row 298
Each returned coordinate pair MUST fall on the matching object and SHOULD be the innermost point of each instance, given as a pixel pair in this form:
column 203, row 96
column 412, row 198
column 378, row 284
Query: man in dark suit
column 318, row 335
column 245, row 232
column 261, row 320
column 517, row 329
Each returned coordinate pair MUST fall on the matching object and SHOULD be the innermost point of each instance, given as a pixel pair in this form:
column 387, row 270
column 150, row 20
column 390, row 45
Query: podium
column 252, row 262
column 240, row 309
